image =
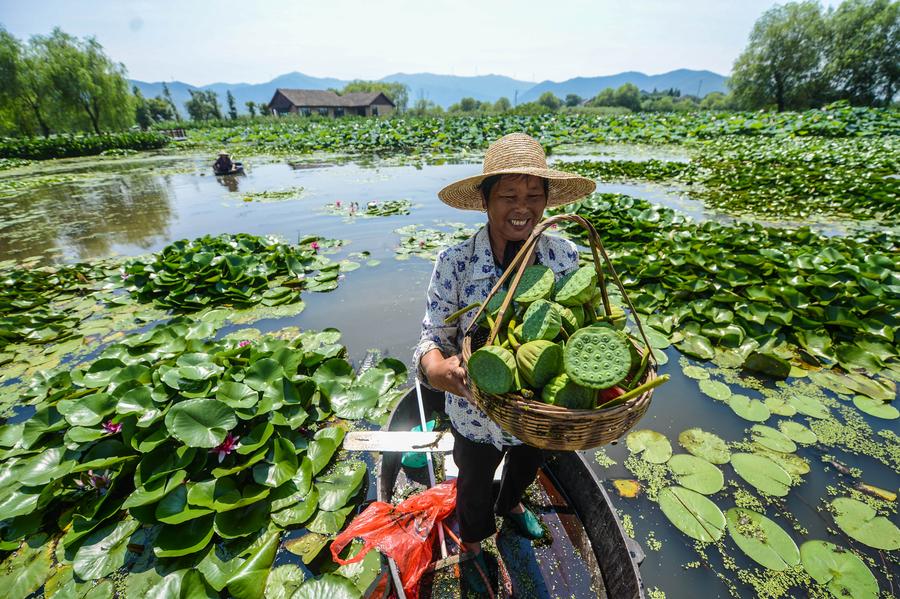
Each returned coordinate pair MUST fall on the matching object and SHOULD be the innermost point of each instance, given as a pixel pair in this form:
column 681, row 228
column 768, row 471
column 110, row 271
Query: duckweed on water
column 602, row 459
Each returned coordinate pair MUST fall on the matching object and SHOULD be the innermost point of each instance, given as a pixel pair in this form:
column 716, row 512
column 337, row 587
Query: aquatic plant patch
column 753, row 289
column 238, row 270
column 63, row 146
column 273, row 195
column 426, row 242
column 173, row 451
column 369, row 209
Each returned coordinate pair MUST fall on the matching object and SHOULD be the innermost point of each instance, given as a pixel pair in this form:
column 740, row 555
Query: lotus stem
column 455, row 316
column 640, row 390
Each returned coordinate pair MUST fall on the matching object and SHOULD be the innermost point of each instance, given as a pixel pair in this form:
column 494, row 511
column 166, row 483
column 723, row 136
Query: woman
column 514, row 189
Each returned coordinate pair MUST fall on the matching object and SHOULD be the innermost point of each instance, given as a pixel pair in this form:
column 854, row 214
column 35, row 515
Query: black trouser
column 477, row 462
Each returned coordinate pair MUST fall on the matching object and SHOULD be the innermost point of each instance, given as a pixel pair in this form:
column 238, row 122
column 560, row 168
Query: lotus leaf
column 308, row 546
column 25, row 570
column 329, row 586
column 876, row 407
column 696, row 372
column 762, row 539
column 174, row 508
column 338, row 486
column 284, row 581
column 263, row 373
column 838, row 569
column 200, row 422
column 797, row 432
column 627, row 487
column 243, row 521
column 769, row 364
column 280, row 466
column 696, row 346
column 654, row 447
column 249, row 580
column 692, row 513
column 763, row 473
column 536, row 284
column 696, row 474
column 861, row 522
column 320, row 452
column 749, row 409
column 104, row 551
column 354, row 402
column 236, row 395
column 329, row 522
column 597, row 357
column 705, row 445
column 541, row 321
column 791, row 462
column 715, row 389
column 299, row 512
column 780, row 406
column 771, row 438
column 176, row 540
column 87, row 411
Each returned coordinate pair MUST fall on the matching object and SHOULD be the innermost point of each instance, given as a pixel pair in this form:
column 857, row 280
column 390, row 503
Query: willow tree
column 782, row 63
column 26, row 92
column 87, row 80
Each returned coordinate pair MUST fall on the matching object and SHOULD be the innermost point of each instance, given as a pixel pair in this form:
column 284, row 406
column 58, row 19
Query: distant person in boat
column 223, row 164
column 514, row 189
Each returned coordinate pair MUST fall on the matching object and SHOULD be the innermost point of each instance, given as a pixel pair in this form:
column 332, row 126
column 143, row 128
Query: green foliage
column 232, row 107
column 549, row 100
column 398, row 93
column 251, row 108
column 203, row 105
column 502, row 104
column 573, row 100
column 239, row 270
column 150, row 111
column 65, row 146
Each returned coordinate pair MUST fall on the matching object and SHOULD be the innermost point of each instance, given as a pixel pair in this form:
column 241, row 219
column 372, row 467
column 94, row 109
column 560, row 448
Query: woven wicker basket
column 535, row 422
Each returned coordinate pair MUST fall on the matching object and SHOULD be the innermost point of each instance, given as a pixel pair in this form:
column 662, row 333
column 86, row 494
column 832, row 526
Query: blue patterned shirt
column 465, row 274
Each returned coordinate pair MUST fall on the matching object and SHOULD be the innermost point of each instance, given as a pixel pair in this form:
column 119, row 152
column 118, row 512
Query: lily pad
column 200, row 422
column 715, row 389
column 692, row 513
column 654, row 447
column 861, row 522
column 838, row 569
column 339, row 485
column 762, row 539
column 772, row 438
column 797, row 432
column 705, row 445
column 696, row 474
column 329, row 586
column 761, row 472
column 696, row 372
column 25, row 570
column 809, row 406
column 104, row 551
column 876, row 407
column 749, row 409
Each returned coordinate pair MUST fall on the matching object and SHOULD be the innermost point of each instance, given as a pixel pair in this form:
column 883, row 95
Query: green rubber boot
column 528, row 525
column 472, row 579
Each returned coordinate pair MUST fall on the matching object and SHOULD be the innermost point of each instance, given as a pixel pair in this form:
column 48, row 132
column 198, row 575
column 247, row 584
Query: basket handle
column 520, row 262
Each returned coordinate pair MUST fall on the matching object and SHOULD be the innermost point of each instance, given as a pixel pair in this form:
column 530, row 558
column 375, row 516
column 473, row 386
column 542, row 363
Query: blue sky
column 252, row 41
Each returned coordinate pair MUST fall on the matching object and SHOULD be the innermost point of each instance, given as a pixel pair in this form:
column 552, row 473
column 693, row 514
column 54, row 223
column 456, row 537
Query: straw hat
column 516, row 153
column 223, row 153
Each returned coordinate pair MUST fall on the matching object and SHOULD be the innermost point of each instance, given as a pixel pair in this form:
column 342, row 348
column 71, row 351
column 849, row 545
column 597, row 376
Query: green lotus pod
column 536, row 284
column 616, row 318
column 569, row 320
column 562, row 391
column 539, row 361
column 598, row 357
column 541, row 321
column 493, row 369
column 577, row 287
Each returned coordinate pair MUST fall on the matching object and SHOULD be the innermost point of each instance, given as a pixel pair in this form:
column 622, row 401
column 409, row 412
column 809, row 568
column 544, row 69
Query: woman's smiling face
column 515, row 205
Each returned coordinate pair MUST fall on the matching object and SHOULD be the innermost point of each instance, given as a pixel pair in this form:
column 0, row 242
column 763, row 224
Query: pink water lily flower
column 98, row 481
column 112, row 427
column 337, row 203
column 315, row 246
column 226, row 446
column 243, row 343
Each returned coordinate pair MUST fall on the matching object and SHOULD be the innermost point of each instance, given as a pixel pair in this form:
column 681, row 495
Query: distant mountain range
column 445, row 90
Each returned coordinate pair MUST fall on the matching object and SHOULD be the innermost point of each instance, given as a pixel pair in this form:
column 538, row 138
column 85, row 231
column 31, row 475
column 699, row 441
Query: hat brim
column 564, row 187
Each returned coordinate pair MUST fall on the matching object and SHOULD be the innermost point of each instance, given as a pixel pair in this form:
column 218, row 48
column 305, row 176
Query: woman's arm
column 445, row 374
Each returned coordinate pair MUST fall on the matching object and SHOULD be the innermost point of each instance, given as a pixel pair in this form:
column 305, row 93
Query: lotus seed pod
column 577, row 287
column 492, row 369
column 541, row 321
column 569, row 320
column 598, row 357
column 562, row 391
column 539, row 361
column 536, row 284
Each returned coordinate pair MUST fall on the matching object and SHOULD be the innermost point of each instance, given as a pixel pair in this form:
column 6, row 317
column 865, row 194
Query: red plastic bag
column 406, row 532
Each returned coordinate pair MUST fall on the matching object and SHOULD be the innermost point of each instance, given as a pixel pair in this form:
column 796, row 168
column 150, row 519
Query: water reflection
column 229, row 182
column 83, row 221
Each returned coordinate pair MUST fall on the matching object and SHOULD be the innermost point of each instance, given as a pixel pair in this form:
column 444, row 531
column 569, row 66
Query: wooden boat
column 589, row 555
column 236, row 169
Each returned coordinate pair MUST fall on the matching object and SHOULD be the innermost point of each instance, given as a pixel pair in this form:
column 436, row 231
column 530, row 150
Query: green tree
column 168, row 97
column 232, row 107
column 502, row 104
column 397, row 92
column 629, row 96
column 203, row 105
column 151, row 110
column 549, row 100
column 469, row 105
column 782, row 62
column 606, row 97
column 141, row 109
column 26, row 92
column 424, row 107
column 716, row 101
column 87, row 80
column 251, row 107
column 573, row 100
column 863, row 51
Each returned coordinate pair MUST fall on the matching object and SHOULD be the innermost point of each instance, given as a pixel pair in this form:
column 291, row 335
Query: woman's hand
column 446, row 374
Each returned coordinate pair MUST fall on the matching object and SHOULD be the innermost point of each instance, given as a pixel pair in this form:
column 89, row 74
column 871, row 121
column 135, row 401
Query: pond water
column 83, row 210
